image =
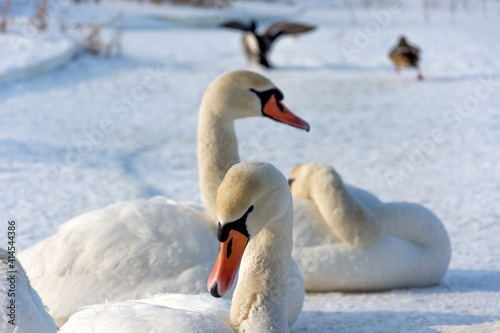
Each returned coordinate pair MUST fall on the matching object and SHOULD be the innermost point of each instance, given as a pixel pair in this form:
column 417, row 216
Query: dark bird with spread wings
column 406, row 55
column 257, row 46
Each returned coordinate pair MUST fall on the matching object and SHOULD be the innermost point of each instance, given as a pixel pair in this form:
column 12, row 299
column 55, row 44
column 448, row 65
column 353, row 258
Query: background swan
column 254, row 207
column 30, row 314
column 131, row 249
column 346, row 239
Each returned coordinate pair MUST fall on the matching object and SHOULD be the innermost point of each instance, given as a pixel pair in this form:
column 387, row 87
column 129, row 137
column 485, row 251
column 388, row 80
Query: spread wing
column 239, row 25
column 287, row 28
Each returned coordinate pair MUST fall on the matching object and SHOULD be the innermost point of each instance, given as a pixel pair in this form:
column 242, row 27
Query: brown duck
column 406, row 55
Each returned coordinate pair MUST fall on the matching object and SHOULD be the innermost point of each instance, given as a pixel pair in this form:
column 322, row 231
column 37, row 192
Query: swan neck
column 263, row 281
column 348, row 219
column 217, row 152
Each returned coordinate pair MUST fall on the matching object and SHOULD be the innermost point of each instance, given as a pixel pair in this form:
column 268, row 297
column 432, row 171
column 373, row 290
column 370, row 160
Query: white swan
column 239, row 94
column 21, row 310
column 254, row 207
column 131, row 249
column 346, row 239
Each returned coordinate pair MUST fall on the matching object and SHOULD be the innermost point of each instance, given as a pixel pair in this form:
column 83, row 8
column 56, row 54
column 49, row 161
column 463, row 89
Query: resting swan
column 345, row 239
column 26, row 314
column 139, row 247
column 254, row 209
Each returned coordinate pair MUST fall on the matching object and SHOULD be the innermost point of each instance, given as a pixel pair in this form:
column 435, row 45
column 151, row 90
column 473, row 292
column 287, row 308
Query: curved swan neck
column 346, row 217
column 217, row 152
column 260, row 300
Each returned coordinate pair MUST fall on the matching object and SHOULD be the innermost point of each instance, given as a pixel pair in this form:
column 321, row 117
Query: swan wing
column 287, row 28
column 160, row 313
column 124, row 251
column 31, row 315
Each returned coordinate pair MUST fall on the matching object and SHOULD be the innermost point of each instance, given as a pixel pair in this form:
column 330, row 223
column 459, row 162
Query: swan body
column 254, row 209
column 160, row 313
column 29, row 314
column 345, row 239
column 135, row 248
column 124, row 251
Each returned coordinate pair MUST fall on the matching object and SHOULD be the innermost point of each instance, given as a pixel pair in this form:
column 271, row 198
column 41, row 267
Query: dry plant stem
column 39, row 19
column 94, row 44
column 196, row 3
column 4, row 19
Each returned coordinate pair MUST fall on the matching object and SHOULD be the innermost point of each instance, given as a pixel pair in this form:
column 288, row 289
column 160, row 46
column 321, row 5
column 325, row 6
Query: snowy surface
column 22, row 56
column 102, row 130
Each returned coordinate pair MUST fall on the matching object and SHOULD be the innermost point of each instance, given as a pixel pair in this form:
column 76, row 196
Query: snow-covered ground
column 22, row 57
column 101, row 130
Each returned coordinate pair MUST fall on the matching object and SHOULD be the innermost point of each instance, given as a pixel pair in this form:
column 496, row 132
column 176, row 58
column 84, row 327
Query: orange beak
column 276, row 110
column 226, row 266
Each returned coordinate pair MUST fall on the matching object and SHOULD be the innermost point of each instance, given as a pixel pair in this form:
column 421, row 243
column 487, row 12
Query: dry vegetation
column 90, row 36
column 93, row 42
column 4, row 17
column 196, row 3
column 39, row 19
column 428, row 6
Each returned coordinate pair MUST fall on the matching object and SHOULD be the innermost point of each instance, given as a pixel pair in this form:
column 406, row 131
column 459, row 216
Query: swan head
column 252, row 195
column 306, row 176
column 241, row 94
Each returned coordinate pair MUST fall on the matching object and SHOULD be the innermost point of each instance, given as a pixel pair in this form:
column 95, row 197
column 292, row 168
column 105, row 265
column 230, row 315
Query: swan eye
column 264, row 96
column 249, row 210
column 290, row 181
